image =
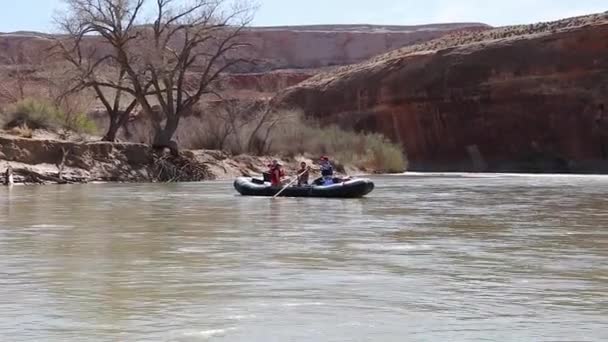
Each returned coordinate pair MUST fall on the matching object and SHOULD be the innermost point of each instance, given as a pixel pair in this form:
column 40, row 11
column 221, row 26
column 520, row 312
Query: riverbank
column 54, row 161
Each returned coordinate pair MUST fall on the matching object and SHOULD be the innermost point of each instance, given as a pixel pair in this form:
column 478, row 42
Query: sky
column 36, row 15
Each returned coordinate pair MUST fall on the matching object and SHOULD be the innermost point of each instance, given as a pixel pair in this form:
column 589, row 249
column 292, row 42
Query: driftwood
column 35, row 177
column 170, row 168
column 61, row 165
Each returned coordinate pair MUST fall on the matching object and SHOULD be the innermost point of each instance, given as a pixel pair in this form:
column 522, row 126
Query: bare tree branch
column 156, row 62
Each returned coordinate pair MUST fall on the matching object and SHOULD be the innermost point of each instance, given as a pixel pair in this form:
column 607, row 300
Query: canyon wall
column 307, row 47
column 527, row 98
column 272, row 48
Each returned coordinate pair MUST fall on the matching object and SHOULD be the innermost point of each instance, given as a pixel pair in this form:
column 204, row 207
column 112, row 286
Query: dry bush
column 383, row 155
column 44, row 114
column 72, row 106
column 73, row 109
column 31, row 113
column 196, row 134
column 235, row 127
column 22, row 131
column 367, row 151
column 260, row 131
column 213, row 130
column 44, row 102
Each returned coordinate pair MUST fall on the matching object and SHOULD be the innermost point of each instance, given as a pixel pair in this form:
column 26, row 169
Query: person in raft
column 304, row 174
column 327, row 171
column 276, row 173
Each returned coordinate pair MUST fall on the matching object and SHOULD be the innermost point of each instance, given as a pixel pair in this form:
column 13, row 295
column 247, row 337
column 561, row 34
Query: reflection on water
column 424, row 258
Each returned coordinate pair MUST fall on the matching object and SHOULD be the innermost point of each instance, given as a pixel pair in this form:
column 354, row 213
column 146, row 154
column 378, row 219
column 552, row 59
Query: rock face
column 264, row 82
column 526, row 98
column 281, row 56
column 306, row 47
column 297, row 47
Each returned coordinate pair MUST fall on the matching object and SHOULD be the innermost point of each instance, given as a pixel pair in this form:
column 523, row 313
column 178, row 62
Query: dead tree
column 172, row 62
column 90, row 68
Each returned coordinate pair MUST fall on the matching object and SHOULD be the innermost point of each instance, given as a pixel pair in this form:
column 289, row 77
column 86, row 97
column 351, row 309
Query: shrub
column 72, row 113
column 79, row 123
column 43, row 114
column 287, row 133
column 367, row 151
column 31, row 113
column 384, row 155
column 234, row 127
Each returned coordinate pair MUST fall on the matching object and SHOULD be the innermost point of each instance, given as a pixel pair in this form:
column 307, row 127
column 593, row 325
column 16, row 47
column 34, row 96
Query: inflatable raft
column 352, row 188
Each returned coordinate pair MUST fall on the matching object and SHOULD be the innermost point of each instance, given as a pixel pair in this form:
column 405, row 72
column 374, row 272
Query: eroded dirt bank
column 36, row 161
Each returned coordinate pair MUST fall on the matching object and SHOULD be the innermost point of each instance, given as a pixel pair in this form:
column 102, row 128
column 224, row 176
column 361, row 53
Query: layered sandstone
column 306, row 47
column 525, row 98
column 299, row 47
column 279, row 56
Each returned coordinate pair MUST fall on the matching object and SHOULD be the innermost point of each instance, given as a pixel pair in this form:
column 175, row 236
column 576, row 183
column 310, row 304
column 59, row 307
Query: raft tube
column 353, row 188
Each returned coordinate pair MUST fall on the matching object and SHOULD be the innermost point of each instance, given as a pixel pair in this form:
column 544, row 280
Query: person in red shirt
column 276, row 173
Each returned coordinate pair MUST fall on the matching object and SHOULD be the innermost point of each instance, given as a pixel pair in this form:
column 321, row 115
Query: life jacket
column 275, row 175
column 327, row 170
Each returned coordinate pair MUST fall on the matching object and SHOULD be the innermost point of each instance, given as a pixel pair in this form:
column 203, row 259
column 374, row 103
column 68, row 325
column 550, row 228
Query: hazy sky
column 35, row 15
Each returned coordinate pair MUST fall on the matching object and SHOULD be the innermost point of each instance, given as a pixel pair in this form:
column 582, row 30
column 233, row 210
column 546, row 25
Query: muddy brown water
column 423, row 258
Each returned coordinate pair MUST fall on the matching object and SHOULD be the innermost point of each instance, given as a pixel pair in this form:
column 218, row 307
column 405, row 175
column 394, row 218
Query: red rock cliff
column 297, row 51
column 528, row 98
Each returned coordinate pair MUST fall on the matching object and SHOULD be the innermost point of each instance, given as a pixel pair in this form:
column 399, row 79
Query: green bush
column 31, row 113
column 43, row 114
column 79, row 123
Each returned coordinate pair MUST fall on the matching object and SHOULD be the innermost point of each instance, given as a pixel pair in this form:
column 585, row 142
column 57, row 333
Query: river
column 423, row 258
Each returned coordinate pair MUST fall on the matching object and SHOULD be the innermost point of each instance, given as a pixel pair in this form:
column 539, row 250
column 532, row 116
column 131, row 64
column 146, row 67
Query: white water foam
column 376, row 247
column 204, row 335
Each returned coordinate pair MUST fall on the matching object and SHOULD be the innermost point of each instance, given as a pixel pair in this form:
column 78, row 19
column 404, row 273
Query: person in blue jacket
column 327, row 171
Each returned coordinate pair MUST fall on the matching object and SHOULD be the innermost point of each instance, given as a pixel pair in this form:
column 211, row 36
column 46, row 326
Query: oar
column 288, row 185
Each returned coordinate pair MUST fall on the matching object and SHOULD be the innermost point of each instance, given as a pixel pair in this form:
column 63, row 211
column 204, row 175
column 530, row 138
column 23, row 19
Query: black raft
column 352, row 188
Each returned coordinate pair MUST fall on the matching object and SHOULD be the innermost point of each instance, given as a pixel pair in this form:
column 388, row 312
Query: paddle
column 288, row 185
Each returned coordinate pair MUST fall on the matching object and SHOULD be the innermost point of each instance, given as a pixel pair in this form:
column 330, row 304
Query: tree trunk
column 118, row 120
column 112, row 131
column 163, row 136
